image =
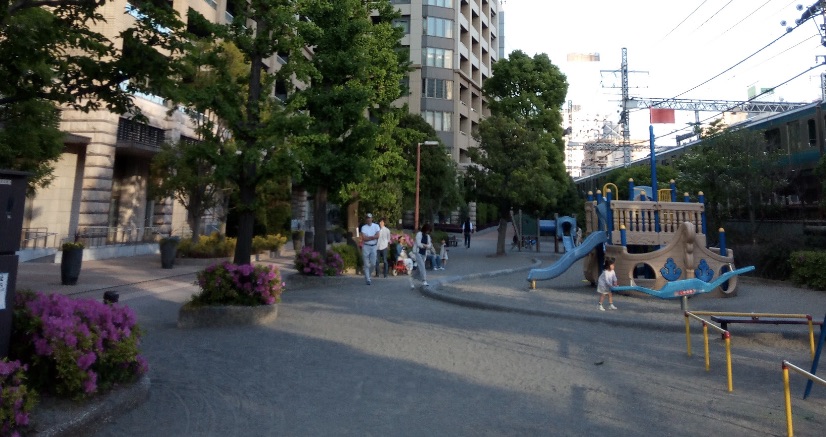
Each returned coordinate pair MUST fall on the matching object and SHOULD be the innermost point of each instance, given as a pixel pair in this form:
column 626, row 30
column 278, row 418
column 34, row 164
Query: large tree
column 50, row 58
column 520, row 159
column 232, row 84
column 737, row 171
column 357, row 69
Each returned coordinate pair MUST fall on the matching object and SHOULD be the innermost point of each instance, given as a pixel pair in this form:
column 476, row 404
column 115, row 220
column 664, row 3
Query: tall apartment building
column 453, row 45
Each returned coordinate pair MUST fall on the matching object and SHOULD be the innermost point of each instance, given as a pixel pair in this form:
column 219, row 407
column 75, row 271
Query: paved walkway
column 473, row 277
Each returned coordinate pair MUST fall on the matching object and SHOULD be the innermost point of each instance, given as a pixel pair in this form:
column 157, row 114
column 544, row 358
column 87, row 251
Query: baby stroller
column 402, row 262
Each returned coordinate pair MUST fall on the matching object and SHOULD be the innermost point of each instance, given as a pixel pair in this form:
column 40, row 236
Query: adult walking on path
column 381, row 247
column 369, row 242
column 467, row 229
column 422, row 246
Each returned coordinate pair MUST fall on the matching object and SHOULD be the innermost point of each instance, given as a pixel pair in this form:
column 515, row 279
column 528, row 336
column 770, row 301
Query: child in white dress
column 607, row 279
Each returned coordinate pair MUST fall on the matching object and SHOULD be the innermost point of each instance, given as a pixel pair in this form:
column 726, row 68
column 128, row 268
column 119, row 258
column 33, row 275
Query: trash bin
column 12, row 202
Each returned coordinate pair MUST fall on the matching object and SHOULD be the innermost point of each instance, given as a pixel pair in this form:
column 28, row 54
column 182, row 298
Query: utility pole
column 624, row 120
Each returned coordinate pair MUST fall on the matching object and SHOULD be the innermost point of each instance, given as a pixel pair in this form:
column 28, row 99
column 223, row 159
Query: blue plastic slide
column 686, row 287
column 570, row 257
column 568, row 242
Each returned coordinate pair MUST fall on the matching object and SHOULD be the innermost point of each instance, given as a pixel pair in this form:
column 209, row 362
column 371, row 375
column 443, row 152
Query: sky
column 673, row 47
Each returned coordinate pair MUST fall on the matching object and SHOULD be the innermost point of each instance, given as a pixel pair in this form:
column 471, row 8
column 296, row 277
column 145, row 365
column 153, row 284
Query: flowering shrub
column 350, row 255
column 406, row 240
column 333, row 264
column 231, row 284
column 75, row 347
column 309, row 262
column 16, row 400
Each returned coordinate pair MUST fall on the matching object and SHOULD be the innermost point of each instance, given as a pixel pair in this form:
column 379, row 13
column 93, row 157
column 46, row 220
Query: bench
column 725, row 320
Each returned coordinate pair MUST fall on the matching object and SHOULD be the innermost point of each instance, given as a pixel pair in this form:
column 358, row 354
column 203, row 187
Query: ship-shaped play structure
column 658, row 245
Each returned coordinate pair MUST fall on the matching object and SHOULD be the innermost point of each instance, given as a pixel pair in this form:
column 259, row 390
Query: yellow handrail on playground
column 786, row 366
column 615, row 190
column 726, row 335
column 808, row 317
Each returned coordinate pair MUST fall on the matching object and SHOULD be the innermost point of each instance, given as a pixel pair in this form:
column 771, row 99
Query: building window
column 442, row 3
column 403, row 23
column 438, row 27
column 440, row 121
column 437, row 57
column 437, row 88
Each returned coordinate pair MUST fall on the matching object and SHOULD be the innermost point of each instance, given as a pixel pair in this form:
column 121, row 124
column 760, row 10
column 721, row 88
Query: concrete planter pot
column 214, row 316
column 70, row 263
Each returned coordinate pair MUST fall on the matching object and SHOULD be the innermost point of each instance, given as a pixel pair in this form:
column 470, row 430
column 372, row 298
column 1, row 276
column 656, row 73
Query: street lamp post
column 418, row 176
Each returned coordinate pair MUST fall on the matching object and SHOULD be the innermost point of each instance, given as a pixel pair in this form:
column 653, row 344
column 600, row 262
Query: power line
column 716, row 114
column 746, row 17
column 686, row 18
column 715, row 14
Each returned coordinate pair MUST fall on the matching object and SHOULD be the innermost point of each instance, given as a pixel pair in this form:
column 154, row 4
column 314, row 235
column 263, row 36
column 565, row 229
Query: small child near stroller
column 404, row 265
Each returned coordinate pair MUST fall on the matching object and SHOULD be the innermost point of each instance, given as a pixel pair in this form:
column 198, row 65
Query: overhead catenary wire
column 746, row 17
column 714, row 15
column 686, row 18
column 716, row 114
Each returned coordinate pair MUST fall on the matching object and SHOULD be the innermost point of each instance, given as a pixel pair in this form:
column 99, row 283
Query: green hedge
column 807, row 269
column 349, row 254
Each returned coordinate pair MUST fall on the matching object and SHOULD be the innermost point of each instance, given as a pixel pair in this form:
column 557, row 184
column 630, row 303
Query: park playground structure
column 653, row 243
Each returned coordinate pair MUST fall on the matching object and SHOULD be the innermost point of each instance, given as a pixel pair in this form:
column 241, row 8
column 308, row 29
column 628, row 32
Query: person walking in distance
column 467, row 229
column 607, row 279
column 422, row 246
column 369, row 241
column 381, row 248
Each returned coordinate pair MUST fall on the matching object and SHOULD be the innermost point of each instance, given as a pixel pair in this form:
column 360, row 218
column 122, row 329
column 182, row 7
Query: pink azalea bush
column 311, row 263
column 16, row 399
column 406, row 240
column 231, row 284
column 75, row 347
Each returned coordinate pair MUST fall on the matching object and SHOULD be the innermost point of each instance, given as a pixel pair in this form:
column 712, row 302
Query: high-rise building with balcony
column 453, row 45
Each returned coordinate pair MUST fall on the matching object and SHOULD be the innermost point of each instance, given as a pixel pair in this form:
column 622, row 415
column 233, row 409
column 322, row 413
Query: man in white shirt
column 381, row 247
column 369, row 241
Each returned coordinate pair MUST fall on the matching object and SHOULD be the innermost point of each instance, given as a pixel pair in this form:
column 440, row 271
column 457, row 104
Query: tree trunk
column 246, row 216
column 194, row 221
column 500, row 241
column 320, row 220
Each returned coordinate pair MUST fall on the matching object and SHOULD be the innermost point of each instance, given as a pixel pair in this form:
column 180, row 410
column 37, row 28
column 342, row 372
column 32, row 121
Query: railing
column 787, row 395
column 31, row 238
column 96, row 236
column 639, row 218
column 726, row 336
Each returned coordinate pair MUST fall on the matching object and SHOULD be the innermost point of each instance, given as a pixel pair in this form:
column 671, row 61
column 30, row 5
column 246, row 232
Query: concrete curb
column 435, row 292
column 213, row 316
column 64, row 417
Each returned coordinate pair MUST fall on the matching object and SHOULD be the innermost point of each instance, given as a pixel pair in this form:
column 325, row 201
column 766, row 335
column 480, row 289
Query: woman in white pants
column 422, row 246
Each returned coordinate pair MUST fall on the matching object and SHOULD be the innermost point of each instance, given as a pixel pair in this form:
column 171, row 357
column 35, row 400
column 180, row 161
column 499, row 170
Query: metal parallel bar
column 726, row 336
column 733, row 314
column 787, row 392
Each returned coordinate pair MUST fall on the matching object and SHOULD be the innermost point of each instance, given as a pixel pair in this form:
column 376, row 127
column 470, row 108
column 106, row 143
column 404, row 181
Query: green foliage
column 642, row 177
column 349, row 254
column 724, row 166
column 51, row 58
column 213, row 246
column 356, row 68
column 271, row 242
column 72, row 245
column 807, row 269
